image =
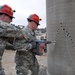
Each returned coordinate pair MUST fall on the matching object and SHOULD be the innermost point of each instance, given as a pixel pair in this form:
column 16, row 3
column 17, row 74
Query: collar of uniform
column 32, row 32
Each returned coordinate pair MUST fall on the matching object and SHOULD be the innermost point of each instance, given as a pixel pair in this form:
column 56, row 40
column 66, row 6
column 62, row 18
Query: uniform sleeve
column 12, row 31
column 22, row 45
column 8, row 30
column 25, row 43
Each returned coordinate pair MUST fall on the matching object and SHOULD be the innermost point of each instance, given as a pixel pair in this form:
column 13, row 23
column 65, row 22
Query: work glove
column 39, row 49
column 9, row 46
column 34, row 44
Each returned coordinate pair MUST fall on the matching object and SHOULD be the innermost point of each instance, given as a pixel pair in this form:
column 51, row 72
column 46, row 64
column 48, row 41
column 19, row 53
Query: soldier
column 25, row 59
column 6, row 30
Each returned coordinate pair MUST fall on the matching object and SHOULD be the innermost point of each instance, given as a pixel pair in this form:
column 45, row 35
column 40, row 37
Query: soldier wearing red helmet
column 6, row 30
column 25, row 59
column 6, row 15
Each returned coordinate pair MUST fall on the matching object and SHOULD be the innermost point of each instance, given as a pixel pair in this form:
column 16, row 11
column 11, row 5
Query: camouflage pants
column 26, row 64
column 2, row 47
column 1, row 69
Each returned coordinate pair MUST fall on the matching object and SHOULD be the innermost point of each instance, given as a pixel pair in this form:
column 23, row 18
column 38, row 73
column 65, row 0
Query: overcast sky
column 26, row 7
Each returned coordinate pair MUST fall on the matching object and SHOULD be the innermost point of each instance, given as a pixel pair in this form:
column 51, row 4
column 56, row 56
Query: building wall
column 61, row 31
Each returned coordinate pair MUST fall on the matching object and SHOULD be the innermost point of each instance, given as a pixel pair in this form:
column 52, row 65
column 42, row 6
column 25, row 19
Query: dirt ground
column 9, row 65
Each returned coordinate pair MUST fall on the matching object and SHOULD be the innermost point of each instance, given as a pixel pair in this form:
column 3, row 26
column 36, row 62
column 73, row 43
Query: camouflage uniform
column 6, row 31
column 25, row 59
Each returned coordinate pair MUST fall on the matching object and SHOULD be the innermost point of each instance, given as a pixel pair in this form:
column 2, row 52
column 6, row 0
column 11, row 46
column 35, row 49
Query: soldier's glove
column 39, row 49
column 36, row 49
column 9, row 46
column 34, row 44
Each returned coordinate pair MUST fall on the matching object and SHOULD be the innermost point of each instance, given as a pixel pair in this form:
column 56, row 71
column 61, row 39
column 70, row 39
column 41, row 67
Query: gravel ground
column 9, row 65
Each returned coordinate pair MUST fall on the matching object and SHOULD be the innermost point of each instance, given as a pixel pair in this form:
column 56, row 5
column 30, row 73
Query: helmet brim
column 7, row 14
column 29, row 20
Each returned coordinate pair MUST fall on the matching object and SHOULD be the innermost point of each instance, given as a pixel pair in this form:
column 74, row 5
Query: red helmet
column 35, row 18
column 7, row 10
